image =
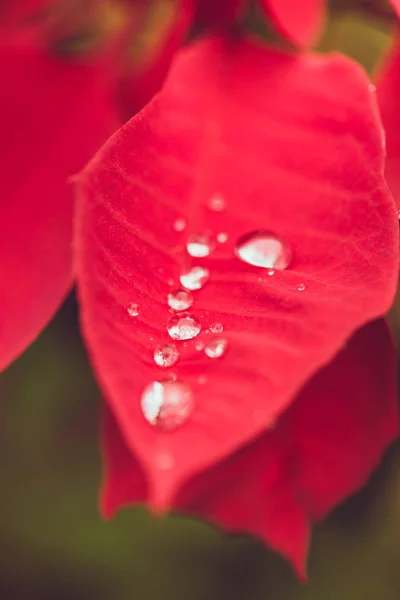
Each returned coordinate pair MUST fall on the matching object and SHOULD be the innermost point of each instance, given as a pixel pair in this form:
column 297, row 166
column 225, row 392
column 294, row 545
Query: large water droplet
column 216, row 203
column 195, row 278
column 199, row 245
column 166, row 356
column 167, row 404
column 216, row 327
column 180, row 300
column 183, row 327
column 264, row 249
column 179, row 224
column 133, row 309
column 216, row 347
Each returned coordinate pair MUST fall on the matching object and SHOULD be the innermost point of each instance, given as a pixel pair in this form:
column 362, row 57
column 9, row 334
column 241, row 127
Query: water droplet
column 133, row 309
column 199, row 245
column 222, row 237
column 167, row 404
column 183, row 327
column 179, row 224
column 199, row 345
column 166, row 356
column 195, row 278
column 216, row 327
column 372, row 88
column 202, row 379
column 180, row 300
column 216, row 203
column 271, row 272
column 264, row 249
column 216, row 347
column 301, row 287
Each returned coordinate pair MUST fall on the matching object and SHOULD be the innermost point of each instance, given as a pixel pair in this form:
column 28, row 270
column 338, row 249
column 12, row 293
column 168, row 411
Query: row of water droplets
column 168, row 403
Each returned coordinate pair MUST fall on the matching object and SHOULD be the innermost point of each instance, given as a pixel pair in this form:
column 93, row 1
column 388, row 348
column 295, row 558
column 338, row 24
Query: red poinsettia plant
column 223, row 208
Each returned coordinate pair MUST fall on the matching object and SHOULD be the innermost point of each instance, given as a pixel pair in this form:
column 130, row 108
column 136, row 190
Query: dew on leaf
column 216, row 347
column 167, row 404
column 264, row 249
column 195, row 278
column 183, row 327
column 199, row 245
column 166, row 356
column 180, row 300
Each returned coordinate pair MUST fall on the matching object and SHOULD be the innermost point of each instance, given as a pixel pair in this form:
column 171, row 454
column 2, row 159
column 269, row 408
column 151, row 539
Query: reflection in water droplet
column 216, row 347
column 133, row 309
column 183, row 327
column 195, row 278
column 264, row 249
column 179, row 224
column 166, row 356
column 301, row 287
column 216, row 327
column 180, row 300
column 222, row 237
column 216, row 203
column 167, row 404
column 199, row 245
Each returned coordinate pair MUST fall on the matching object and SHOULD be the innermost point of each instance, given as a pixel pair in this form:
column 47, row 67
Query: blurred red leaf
column 294, row 145
column 322, row 449
column 53, row 117
column 301, row 22
column 388, row 90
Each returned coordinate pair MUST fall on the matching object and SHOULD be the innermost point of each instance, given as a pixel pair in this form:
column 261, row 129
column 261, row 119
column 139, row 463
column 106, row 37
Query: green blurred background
column 53, row 542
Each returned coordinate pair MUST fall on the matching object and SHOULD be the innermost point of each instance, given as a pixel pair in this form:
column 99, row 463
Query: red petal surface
column 53, row 117
column 322, row 449
column 219, row 14
column 396, row 5
column 388, row 90
column 301, row 22
column 294, row 145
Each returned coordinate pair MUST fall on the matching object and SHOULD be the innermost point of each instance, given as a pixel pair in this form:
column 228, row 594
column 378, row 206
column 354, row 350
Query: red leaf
column 301, row 22
column 323, row 448
column 294, row 145
column 388, row 90
column 53, row 117
column 219, row 14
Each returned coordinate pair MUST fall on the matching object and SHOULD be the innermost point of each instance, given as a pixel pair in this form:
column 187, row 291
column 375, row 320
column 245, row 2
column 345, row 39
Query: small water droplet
column 222, row 237
column 202, row 379
column 199, row 245
column 165, row 461
column 183, row 327
column 301, row 287
column 199, row 345
column 372, row 88
column 166, row 356
column 216, row 347
column 180, row 300
column 271, row 272
column 167, row 404
column 264, row 249
column 195, row 278
column 216, row 203
column 216, row 327
column 179, row 224
column 133, row 309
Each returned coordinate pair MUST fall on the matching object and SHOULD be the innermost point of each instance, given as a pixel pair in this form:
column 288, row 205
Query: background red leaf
column 294, row 145
column 301, row 22
column 44, row 142
column 322, row 449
